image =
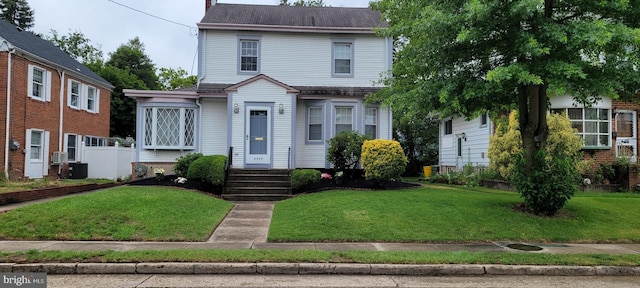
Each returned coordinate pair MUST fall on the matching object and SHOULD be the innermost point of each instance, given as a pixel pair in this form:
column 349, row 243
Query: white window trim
column 351, row 73
column 46, row 85
column 308, row 123
column 181, row 134
column 69, row 94
column 242, row 38
column 102, row 141
column 583, row 133
column 334, row 114
column 78, row 144
column 96, row 99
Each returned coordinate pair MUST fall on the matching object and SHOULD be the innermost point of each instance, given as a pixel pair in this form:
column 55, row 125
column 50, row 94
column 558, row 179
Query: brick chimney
column 207, row 5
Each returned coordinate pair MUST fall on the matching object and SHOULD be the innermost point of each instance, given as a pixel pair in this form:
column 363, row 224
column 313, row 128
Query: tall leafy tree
column 76, row 44
column 128, row 68
column 315, row 3
column 17, row 12
column 171, row 79
column 467, row 56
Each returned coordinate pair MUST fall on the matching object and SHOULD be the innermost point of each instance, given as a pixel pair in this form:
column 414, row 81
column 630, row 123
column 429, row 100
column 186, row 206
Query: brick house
column 50, row 105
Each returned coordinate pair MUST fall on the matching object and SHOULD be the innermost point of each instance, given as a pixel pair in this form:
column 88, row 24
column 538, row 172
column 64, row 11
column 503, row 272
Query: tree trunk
column 532, row 117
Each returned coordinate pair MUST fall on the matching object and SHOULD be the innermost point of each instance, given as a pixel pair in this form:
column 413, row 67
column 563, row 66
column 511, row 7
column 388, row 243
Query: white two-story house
column 275, row 83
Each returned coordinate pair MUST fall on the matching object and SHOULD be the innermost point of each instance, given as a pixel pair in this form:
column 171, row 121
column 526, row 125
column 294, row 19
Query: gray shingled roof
column 219, row 88
column 31, row 43
column 293, row 16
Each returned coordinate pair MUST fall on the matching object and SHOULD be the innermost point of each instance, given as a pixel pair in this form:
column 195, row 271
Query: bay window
column 169, row 128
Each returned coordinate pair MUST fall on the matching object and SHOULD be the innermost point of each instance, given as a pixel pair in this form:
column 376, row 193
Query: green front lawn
column 136, row 213
column 451, row 214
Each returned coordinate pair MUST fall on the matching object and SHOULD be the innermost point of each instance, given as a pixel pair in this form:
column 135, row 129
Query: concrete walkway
column 246, row 222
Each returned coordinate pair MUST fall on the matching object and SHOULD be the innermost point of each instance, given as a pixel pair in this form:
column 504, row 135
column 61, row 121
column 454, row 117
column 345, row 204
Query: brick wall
column 28, row 113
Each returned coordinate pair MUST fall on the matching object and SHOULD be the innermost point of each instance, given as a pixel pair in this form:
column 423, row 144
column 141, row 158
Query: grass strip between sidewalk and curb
column 315, row 256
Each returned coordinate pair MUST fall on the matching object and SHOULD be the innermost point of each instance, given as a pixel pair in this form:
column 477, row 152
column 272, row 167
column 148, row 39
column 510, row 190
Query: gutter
column 7, row 147
column 60, row 134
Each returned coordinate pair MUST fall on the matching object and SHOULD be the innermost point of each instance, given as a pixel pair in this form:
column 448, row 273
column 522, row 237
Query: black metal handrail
column 289, row 168
column 227, row 165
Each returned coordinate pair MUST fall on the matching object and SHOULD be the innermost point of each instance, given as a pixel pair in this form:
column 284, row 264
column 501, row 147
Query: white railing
column 108, row 162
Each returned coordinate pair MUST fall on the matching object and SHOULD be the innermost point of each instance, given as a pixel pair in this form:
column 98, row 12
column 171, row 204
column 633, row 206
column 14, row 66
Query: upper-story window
column 592, row 125
column 39, row 83
column 249, row 55
column 484, row 119
column 169, row 128
column 92, row 96
column 74, row 94
column 342, row 58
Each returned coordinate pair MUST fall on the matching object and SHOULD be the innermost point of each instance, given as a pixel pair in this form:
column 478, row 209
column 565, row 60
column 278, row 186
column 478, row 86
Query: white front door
column 626, row 140
column 258, row 139
column 36, row 156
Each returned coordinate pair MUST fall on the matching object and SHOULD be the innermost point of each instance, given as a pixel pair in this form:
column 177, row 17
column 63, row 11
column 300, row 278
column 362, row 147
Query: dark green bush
column 208, row 169
column 183, row 162
column 345, row 149
column 550, row 184
column 301, row 178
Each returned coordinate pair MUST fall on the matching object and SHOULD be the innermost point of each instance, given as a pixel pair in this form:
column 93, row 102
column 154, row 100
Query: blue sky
column 108, row 24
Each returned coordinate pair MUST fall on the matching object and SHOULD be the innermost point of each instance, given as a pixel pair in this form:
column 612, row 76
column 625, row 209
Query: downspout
column 198, row 127
column 8, row 117
column 60, row 134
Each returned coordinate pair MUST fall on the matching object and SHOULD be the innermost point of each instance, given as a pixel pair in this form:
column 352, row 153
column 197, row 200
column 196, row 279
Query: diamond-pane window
column 169, row 128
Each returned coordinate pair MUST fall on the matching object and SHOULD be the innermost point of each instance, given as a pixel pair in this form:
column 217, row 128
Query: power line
column 191, row 28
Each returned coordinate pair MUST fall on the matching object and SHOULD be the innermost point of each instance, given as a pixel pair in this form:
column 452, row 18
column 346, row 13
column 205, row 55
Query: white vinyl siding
column 295, row 59
column 214, row 137
column 39, row 83
column 473, row 150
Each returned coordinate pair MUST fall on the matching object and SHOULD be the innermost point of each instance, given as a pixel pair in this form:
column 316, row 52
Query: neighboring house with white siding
column 464, row 142
column 274, row 84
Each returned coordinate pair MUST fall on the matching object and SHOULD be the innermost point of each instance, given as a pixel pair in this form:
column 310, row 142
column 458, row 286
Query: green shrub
column 383, row 160
column 183, row 162
column 550, row 184
column 345, row 149
column 301, row 178
column 208, row 169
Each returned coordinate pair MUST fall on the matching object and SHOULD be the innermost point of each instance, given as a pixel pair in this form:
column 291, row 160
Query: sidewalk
column 247, row 225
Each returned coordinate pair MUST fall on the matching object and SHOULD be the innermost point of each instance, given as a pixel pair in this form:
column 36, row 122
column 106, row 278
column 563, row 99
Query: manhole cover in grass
column 524, row 247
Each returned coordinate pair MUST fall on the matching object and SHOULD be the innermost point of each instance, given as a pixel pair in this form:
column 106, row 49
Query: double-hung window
column 39, row 83
column 95, row 141
column 592, row 125
column 249, row 55
column 315, row 120
column 91, row 99
column 371, row 122
column 344, row 118
column 342, row 58
column 74, row 94
column 170, row 128
column 72, row 147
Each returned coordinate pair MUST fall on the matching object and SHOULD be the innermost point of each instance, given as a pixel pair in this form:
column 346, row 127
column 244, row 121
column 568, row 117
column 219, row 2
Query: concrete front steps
column 257, row 185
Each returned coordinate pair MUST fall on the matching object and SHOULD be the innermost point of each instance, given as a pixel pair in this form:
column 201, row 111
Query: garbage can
column 427, row 171
column 78, row 170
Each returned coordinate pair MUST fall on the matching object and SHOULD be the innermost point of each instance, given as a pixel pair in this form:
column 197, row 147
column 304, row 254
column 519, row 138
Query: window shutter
column 69, row 93
column 30, row 82
column 47, row 87
column 27, row 147
column 96, row 104
column 45, row 154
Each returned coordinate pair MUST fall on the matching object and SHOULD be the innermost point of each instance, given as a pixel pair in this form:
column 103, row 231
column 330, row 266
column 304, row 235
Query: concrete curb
column 316, row 268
